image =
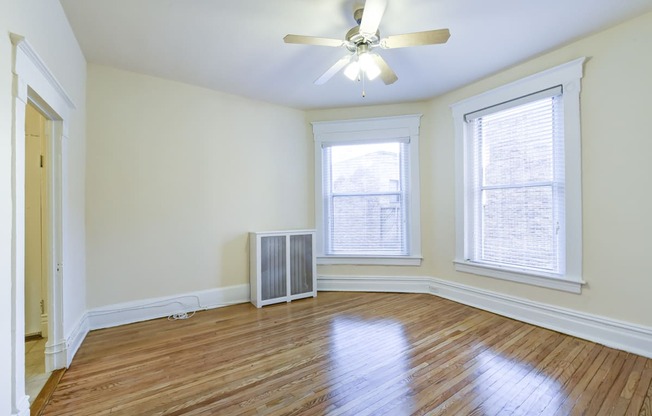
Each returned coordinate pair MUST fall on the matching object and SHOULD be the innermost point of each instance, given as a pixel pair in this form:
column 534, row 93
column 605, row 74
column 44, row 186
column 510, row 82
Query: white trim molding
column 404, row 129
column 55, row 354
column 399, row 284
column 371, row 260
column 33, row 83
column 22, row 408
column 75, row 339
column 569, row 278
column 153, row 308
column 613, row 333
column 33, row 60
column 550, row 282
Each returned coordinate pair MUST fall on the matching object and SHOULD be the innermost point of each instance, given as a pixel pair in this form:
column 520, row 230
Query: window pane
column 517, row 144
column 518, row 227
column 365, row 208
column 518, row 194
column 367, row 225
column 365, row 168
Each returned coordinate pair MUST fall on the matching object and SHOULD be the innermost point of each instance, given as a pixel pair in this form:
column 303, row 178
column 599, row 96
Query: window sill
column 550, row 282
column 371, row 260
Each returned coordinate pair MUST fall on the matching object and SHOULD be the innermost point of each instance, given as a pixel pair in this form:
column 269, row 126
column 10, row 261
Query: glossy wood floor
column 349, row 354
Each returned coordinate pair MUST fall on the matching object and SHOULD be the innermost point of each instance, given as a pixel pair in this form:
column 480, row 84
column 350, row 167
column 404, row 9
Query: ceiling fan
column 361, row 62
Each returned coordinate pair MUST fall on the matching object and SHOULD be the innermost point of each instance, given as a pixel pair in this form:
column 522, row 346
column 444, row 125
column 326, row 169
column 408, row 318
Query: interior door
column 35, row 285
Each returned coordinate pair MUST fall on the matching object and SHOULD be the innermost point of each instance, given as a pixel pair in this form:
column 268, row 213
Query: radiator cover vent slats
column 282, row 266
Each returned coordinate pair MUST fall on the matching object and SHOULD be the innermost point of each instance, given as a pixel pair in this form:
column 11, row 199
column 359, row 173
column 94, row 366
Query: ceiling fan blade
column 429, row 37
column 373, row 13
column 333, row 70
column 313, row 40
column 386, row 74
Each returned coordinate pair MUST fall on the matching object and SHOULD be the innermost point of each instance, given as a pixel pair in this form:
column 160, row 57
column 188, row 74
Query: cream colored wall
column 44, row 25
column 615, row 98
column 177, row 177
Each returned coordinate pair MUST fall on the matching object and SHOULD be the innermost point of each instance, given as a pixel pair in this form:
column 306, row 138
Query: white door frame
column 34, row 83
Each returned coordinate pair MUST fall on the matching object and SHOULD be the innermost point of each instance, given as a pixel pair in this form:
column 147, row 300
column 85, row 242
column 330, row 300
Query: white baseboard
column 142, row 310
column 22, row 407
column 398, row 284
column 146, row 309
column 59, row 354
column 56, row 354
column 76, row 337
column 606, row 331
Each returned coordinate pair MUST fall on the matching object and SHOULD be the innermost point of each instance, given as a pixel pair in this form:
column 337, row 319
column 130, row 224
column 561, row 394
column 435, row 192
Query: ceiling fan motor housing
column 357, row 15
column 355, row 38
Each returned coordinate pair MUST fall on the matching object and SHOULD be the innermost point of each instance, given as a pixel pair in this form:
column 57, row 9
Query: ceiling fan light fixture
column 361, row 63
column 352, row 70
column 368, row 66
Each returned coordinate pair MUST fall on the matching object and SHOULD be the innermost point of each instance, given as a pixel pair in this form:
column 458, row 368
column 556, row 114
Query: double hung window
column 518, row 187
column 365, row 197
column 516, row 192
column 367, row 188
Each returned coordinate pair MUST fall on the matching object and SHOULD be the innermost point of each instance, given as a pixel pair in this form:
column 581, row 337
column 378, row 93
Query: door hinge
column 42, row 306
column 41, row 160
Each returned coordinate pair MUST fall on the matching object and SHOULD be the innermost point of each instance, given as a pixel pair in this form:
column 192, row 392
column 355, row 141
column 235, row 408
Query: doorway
column 34, row 84
column 36, row 258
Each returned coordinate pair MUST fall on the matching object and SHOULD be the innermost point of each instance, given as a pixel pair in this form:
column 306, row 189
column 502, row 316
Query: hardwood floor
column 349, row 354
column 43, row 397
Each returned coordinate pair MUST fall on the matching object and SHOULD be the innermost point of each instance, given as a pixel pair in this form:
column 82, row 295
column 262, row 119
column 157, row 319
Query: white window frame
column 568, row 76
column 371, row 130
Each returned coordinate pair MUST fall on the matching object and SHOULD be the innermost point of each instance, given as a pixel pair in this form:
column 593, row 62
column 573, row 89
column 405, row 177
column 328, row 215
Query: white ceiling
column 237, row 46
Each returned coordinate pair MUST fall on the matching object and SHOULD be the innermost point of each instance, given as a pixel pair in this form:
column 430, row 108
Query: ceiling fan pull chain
column 362, row 75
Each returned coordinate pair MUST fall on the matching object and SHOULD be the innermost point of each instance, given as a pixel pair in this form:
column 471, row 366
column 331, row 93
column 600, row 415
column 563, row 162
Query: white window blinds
column 365, row 194
column 517, row 184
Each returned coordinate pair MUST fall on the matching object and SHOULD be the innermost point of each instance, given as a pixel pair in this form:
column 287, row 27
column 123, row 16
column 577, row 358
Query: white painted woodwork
column 282, row 266
column 569, row 76
column 34, row 83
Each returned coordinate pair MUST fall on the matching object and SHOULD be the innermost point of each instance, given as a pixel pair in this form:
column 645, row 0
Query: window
column 367, row 191
column 518, row 182
column 364, row 188
column 517, row 190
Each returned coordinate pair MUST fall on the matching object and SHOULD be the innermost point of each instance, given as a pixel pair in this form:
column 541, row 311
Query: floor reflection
column 373, row 369
column 369, row 367
column 504, row 379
